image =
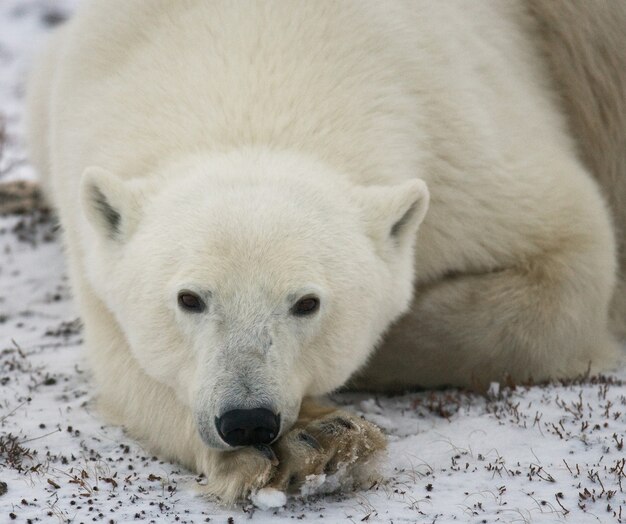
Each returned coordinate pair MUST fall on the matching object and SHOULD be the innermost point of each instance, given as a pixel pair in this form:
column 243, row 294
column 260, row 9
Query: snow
column 269, row 498
column 533, row 454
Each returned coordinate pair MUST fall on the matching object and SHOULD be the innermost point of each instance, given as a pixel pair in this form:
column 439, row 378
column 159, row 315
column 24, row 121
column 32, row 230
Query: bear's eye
column 307, row 305
column 191, row 302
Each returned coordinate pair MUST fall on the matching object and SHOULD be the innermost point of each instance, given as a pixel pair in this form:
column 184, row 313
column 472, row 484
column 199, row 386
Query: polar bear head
column 246, row 281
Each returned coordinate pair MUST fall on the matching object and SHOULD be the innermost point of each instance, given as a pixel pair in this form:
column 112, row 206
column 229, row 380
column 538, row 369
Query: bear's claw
column 268, row 453
column 331, row 443
column 324, row 446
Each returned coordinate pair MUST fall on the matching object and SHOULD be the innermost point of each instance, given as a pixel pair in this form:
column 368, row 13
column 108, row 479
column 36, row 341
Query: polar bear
column 253, row 194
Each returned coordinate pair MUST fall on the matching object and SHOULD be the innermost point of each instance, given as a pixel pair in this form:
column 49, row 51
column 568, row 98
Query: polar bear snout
column 247, row 427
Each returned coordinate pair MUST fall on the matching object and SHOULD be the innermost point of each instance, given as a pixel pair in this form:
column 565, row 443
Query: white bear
column 244, row 192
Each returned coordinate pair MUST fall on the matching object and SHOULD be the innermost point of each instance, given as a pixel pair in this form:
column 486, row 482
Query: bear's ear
column 111, row 205
column 393, row 213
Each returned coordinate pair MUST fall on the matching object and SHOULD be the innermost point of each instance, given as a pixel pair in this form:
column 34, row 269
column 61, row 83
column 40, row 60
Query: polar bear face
column 252, row 279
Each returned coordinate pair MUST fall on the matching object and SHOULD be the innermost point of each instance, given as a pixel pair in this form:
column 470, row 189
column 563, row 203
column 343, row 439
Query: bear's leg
column 544, row 318
column 325, row 440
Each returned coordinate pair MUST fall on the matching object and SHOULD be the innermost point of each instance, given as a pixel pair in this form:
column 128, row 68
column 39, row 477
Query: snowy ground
column 542, row 454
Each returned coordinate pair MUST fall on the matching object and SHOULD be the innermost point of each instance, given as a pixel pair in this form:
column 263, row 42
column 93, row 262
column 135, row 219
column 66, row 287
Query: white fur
column 257, row 152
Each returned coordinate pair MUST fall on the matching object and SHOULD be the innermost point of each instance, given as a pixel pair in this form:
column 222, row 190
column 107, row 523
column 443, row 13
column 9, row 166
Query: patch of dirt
column 21, row 197
column 12, row 453
column 66, row 329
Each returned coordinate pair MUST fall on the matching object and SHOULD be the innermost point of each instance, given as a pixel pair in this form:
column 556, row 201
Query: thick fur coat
column 584, row 46
column 409, row 165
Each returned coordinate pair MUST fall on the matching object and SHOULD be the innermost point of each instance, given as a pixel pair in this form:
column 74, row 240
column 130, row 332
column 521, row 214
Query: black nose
column 245, row 427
